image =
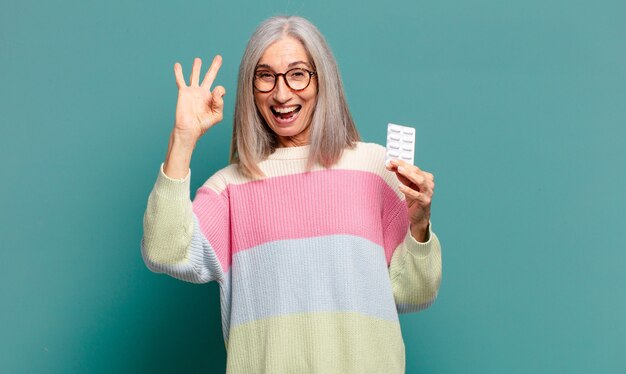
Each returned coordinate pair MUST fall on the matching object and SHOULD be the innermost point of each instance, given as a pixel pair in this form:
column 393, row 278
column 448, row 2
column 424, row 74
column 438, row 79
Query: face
column 287, row 112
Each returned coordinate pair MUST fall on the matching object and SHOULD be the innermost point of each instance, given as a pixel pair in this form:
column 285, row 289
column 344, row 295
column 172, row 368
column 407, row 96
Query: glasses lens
column 264, row 80
column 298, row 79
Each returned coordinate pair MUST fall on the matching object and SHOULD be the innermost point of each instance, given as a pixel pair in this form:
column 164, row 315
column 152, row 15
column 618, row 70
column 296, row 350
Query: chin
column 284, row 128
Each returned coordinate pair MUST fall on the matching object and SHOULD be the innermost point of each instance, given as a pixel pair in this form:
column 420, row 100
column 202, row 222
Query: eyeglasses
column 297, row 79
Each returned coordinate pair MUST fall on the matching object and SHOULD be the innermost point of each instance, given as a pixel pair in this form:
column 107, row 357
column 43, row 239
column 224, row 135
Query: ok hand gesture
column 198, row 108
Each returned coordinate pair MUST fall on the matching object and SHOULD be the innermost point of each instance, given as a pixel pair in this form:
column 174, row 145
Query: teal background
column 520, row 110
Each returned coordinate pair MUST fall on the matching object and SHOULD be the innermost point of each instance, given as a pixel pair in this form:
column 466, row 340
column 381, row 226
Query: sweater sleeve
column 172, row 241
column 415, row 268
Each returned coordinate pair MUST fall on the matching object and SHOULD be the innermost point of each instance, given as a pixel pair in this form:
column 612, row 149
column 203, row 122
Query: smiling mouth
column 286, row 113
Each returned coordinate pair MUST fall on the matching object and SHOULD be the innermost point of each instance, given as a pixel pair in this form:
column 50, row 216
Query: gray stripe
column 203, row 256
column 225, row 303
column 329, row 273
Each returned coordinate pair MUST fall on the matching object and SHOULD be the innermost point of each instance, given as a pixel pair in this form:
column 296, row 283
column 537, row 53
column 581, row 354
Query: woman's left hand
column 418, row 187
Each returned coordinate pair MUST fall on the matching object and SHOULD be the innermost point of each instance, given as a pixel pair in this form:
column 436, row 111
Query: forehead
column 284, row 53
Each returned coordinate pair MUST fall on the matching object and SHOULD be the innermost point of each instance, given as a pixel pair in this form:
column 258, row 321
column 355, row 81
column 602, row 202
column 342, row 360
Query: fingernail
column 401, row 169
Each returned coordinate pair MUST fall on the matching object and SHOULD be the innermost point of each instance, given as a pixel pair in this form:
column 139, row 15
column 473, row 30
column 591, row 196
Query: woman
column 314, row 243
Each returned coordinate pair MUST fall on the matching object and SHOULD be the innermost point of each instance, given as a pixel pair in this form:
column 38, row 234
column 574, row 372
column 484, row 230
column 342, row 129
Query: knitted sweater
column 313, row 268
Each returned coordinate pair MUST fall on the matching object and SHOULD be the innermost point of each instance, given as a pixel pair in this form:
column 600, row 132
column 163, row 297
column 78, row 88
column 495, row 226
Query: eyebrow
column 290, row 65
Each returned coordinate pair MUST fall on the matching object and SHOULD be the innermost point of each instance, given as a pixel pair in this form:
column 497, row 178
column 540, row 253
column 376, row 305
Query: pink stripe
column 397, row 227
column 319, row 203
column 212, row 212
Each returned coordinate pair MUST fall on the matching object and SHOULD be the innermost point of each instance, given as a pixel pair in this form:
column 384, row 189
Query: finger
column 178, row 73
column 418, row 177
column 195, row 72
column 212, row 72
column 218, row 101
column 430, row 180
column 430, row 176
column 396, row 162
column 219, row 91
column 428, row 184
column 393, row 164
column 411, row 194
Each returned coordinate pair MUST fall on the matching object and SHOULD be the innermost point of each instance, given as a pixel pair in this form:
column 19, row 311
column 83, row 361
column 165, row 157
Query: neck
column 289, row 143
column 296, row 140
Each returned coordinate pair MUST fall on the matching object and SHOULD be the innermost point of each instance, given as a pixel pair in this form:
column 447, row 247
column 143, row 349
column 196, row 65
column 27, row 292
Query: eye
column 298, row 74
column 264, row 76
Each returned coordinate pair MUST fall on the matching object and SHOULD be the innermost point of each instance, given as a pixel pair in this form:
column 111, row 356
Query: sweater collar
column 290, row 153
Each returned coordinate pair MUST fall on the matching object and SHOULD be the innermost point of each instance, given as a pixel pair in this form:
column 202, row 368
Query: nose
column 282, row 93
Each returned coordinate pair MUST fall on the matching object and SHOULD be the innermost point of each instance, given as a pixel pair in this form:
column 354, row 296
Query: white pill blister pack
column 400, row 143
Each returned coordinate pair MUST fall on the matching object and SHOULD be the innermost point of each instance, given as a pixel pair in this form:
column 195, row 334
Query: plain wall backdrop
column 520, row 110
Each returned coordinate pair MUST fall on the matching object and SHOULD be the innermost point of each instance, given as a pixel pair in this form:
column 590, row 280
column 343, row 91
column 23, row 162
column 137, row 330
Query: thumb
column 218, row 94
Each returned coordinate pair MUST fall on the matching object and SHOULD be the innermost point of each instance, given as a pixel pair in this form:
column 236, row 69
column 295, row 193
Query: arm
column 415, row 268
column 173, row 242
column 415, row 265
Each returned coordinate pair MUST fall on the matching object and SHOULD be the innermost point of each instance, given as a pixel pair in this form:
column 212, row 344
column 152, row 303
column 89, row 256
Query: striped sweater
column 313, row 268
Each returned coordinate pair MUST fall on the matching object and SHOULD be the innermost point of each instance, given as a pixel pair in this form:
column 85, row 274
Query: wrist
column 183, row 140
column 178, row 157
column 419, row 231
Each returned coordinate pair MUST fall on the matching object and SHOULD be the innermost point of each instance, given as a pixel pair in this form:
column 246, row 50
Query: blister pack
column 400, row 143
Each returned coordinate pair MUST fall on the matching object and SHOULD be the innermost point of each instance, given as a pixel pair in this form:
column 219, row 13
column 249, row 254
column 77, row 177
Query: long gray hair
column 332, row 127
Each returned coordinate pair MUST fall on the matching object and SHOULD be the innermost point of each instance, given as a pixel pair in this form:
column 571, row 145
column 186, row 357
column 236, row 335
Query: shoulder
column 366, row 147
column 364, row 156
column 224, row 177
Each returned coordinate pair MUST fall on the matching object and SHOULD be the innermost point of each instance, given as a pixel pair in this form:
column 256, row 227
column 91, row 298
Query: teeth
column 286, row 109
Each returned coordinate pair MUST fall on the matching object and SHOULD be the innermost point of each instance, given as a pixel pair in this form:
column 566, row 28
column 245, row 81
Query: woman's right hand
column 198, row 108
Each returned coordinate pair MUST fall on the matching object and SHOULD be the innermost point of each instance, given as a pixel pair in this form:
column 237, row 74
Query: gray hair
column 332, row 127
